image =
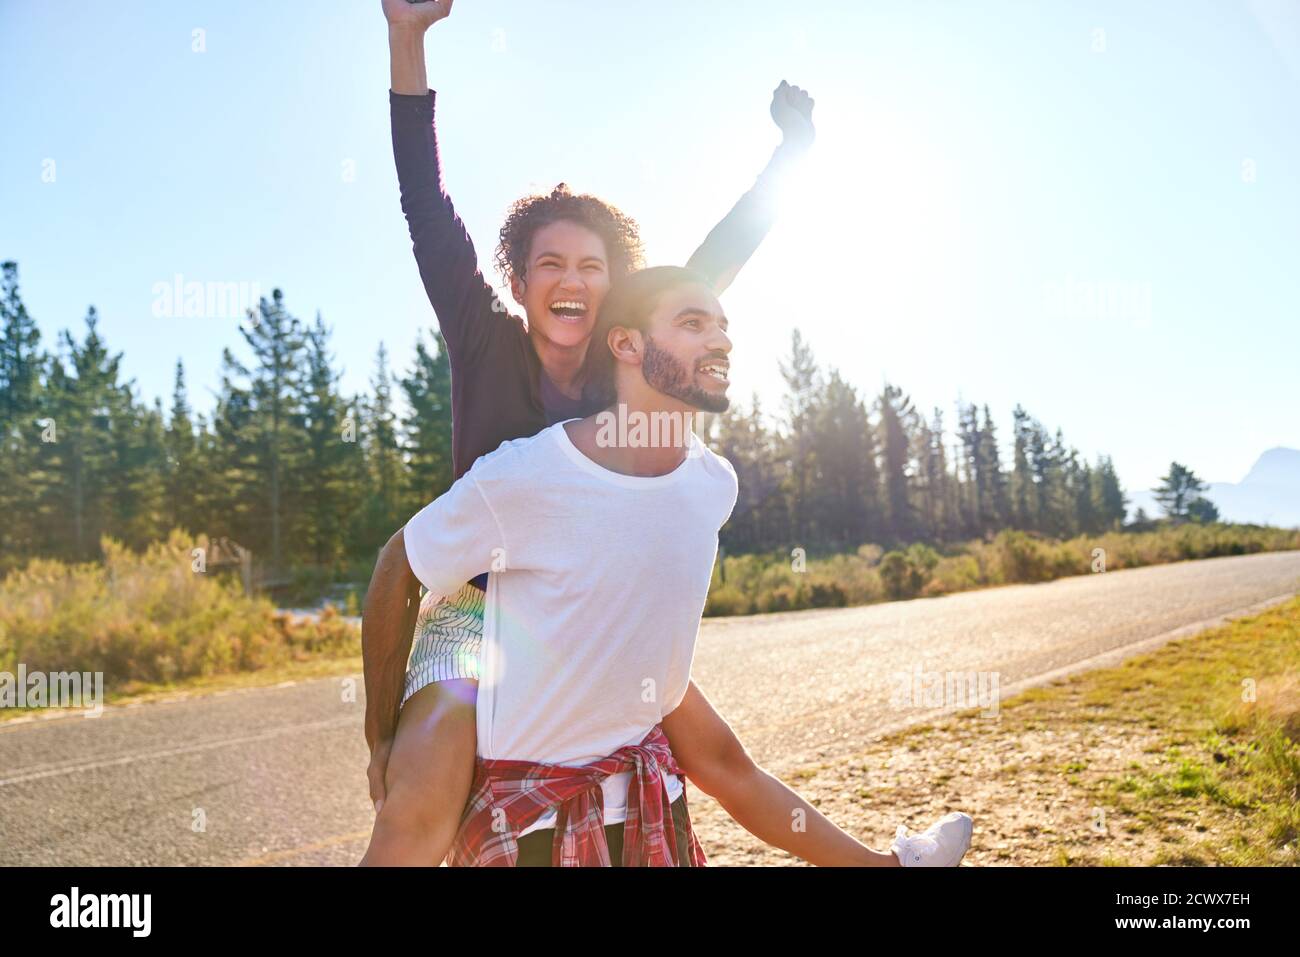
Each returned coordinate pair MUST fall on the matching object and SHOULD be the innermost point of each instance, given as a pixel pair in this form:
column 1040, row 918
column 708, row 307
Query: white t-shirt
column 596, row 587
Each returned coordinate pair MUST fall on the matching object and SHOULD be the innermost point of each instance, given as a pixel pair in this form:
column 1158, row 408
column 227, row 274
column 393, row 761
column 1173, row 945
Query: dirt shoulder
column 1184, row 756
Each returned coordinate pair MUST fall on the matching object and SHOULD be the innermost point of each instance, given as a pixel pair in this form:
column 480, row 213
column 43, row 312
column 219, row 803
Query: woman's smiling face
column 566, row 280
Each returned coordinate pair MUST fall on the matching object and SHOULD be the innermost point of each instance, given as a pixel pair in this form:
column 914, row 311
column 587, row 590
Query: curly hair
column 526, row 216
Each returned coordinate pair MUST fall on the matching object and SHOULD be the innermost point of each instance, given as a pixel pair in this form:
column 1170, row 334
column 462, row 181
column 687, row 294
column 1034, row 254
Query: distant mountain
column 1268, row 495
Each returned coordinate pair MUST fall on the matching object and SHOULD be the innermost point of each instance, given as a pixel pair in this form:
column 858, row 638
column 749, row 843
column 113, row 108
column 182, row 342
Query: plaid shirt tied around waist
column 513, row 794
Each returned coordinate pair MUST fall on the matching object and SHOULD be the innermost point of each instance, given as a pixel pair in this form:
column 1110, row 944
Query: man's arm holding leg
column 706, row 748
column 421, row 762
column 424, row 770
column 388, row 617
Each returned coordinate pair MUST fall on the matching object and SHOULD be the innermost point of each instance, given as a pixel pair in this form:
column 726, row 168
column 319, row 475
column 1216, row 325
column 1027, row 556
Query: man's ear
column 626, row 344
column 517, row 288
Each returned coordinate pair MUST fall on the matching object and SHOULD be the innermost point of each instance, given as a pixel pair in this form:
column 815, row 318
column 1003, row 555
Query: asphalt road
column 277, row 775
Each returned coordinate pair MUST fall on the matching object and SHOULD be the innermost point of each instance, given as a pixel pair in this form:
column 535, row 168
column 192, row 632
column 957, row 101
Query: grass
column 1191, row 754
column 1227, row 706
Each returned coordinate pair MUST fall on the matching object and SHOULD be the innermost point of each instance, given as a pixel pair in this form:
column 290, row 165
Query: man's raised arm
column 733, row 241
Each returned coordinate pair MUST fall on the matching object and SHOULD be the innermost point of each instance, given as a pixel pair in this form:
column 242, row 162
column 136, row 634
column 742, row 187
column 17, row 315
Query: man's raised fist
column 792, row 112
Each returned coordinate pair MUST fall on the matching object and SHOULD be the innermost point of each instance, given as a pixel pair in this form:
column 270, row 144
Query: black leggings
column 535, row 846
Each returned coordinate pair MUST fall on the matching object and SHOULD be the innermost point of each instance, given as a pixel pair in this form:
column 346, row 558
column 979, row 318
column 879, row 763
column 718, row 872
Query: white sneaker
column 942, row 844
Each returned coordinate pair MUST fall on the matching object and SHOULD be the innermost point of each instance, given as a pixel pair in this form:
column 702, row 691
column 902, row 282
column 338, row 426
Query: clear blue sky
column 973, row 159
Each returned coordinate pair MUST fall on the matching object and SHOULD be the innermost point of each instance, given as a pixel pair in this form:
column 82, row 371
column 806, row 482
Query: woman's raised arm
column 467, row 307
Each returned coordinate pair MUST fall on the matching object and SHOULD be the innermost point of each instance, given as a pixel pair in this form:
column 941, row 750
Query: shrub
column 726, row 600
column 766, row 582
column 898, row 575
column 923, row 557
column 1023, row 558
column 958, row 573
column 827, row 595
column 778, row 599
column 151, row 617
column 871, row 554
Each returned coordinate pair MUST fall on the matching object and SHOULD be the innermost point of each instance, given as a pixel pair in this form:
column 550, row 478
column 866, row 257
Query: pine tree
column 259, row 438
column 138, row 480
column 86, row 407
column 933, row 485
column 333, row 465
column 844, row 493
column 896, row 414
column 1062, row 494
column 1049, row 479
column 21, row 366
column 802, row 379
column 1024, row 491
column 184, row 476
column 1086, row 514
column 385, row 470
column 759, row 521
column 1178, row 489
column 276, row 432
column 208, row 472
column 21, row 362
column 997, row 505
column 1112, row 504
column 1202, row 510
column 946, row 527
column 235, row 490
column 972, row 475
column 427, row 425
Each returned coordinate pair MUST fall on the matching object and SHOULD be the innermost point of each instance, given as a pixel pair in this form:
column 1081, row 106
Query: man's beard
column 665, row 374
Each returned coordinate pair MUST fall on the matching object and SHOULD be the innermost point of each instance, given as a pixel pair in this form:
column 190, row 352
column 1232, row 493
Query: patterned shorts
column 448, row 639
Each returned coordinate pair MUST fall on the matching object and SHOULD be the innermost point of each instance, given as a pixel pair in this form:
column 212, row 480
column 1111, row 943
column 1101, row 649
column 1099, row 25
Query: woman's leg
column 429, row 776
column 431, row 765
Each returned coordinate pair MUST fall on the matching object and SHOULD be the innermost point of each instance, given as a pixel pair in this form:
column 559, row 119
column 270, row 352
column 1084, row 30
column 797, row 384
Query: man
column 601, row 547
